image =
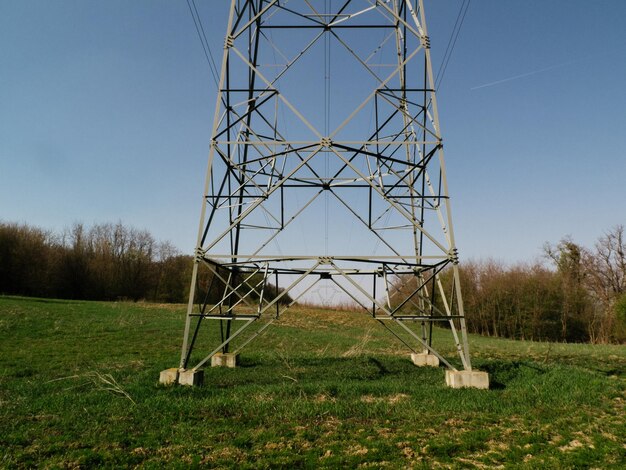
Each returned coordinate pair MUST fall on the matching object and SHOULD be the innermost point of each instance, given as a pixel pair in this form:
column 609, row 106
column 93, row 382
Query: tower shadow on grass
column 311, row 370
column 503, row 373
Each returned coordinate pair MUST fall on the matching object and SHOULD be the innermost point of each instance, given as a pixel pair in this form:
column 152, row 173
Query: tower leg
column 224, row 360
column 425, row 360
column 467, row 379
column 191, row 377
column 168, row 376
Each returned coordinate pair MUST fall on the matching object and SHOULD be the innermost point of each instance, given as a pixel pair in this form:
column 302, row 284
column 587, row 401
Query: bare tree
column 571, row 261
column 607, row 282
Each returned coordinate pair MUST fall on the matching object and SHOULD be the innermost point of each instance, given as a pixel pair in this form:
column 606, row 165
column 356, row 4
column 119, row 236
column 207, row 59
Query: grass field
column 79, row 388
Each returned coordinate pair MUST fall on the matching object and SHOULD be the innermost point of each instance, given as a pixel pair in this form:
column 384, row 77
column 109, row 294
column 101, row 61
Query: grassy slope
column 318, row 390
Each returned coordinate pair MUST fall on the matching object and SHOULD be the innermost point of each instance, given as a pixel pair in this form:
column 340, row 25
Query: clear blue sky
column 106, row 108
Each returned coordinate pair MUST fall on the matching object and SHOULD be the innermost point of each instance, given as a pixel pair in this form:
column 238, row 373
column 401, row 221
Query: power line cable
column 445, row 54
column 327, row 105
column 203, row 40
column 458, row 24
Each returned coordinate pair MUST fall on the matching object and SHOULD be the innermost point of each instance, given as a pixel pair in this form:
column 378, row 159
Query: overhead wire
column 203, row 40
column 285, row 133
column 327, row 106
column 458, row 24
column 273, row 48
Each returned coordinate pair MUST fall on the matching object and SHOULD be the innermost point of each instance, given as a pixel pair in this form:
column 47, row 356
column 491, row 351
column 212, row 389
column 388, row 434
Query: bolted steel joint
column 229, row 42
column 199, row 254
column 425, row 41
column 454, row 256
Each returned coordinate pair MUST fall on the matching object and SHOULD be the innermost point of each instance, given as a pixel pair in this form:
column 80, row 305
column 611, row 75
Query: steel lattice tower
column 326, row 117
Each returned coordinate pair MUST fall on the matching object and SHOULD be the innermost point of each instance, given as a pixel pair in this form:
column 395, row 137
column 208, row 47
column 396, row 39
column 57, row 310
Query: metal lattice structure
column 326, row 118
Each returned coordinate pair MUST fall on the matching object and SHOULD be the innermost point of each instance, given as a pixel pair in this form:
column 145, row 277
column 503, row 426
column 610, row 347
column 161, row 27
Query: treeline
column 576, row 294
column 103, row 262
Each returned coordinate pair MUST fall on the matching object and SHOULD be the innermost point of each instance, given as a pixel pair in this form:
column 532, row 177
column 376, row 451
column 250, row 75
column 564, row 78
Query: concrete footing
column 425, row 360
column 191, row 377
column 467, row 378
column 168, row 376
column 224, row 360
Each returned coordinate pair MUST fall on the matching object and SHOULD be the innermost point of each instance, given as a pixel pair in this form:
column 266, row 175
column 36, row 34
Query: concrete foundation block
column 467, row 378
column 191, row 377
column 224, row 360
column 425, row 360
column 168, row 376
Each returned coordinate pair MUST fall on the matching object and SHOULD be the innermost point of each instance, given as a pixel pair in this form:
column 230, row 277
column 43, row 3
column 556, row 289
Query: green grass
column 79, row 388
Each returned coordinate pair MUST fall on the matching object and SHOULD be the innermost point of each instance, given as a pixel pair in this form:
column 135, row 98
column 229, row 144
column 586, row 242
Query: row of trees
column 573, row 294
column 593, row 285
column 104, row 262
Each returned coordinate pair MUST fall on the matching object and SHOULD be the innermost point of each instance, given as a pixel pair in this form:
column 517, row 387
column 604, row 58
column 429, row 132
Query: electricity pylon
column 326, row 168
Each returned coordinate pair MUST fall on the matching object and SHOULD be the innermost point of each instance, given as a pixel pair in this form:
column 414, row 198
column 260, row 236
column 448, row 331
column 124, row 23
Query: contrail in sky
column 527, row 74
